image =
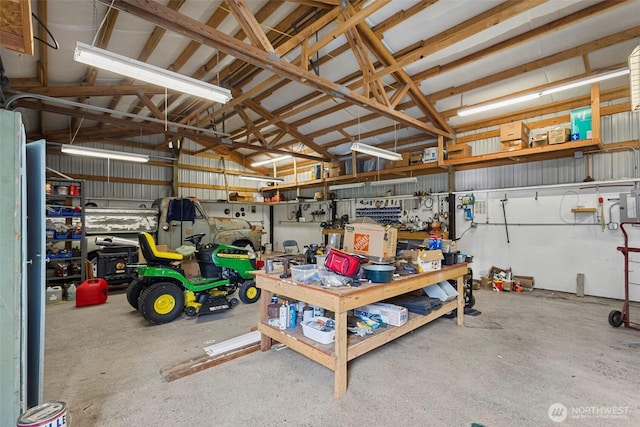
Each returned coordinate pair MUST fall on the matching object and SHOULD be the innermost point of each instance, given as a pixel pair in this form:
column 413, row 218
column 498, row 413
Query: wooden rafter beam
column 249, row 124
column 249, row 24
column 151, row 106
column 401, row 16
column 160, row 15
column 462, row 31
column 578, row 51
column 355, row 18
column 89, row 91
column 318, row 3
column 558, row 24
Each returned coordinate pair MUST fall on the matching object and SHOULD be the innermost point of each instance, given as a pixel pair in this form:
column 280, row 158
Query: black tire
column 615, row 318
column 162, row 302
column 134, row 290
column 190, row 311
column 470, row 301
column 248, row 292
column 233, row 302
column 451, row 314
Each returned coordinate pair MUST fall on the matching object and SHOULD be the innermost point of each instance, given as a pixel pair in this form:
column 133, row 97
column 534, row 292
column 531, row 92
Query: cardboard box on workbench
column 372, row 240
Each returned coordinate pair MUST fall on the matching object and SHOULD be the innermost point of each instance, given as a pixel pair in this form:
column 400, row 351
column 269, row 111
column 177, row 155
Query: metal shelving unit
column 66, row 250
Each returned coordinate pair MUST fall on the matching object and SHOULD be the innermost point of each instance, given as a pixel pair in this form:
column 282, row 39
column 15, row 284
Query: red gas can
column 92, row 292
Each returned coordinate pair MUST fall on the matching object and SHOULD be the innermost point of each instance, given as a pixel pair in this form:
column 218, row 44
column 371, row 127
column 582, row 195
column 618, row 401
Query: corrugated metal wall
column 603, row 165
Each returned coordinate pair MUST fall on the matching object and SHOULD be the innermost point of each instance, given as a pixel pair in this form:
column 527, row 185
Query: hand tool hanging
column 504, row 214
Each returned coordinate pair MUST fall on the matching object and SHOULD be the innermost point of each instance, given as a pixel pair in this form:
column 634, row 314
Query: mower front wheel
column 162, row 302
column 248, row 292
column 134, row 290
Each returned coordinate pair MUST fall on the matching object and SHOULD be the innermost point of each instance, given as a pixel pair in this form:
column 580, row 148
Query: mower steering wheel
column 194, row 239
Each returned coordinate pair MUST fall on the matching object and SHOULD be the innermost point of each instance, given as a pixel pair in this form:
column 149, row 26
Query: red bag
column 344, row 263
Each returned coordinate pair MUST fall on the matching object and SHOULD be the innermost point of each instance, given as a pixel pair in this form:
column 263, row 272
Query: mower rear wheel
column 134, row 290
column 248, row 292
column 162, row 302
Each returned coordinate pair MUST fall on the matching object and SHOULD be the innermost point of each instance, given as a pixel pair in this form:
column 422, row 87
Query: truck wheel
column 134, row 290
column 249, row 293
column 162, row 302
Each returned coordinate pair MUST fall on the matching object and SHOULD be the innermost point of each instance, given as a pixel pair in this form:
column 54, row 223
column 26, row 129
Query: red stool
column 92, row 292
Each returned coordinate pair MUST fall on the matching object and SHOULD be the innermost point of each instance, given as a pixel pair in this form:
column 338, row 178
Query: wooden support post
column 595, row 113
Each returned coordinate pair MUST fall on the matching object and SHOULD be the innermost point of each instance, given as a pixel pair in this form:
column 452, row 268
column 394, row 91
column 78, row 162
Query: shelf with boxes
column 64, row 227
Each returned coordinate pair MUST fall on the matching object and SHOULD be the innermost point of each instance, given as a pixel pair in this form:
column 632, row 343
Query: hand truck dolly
column 617, row 318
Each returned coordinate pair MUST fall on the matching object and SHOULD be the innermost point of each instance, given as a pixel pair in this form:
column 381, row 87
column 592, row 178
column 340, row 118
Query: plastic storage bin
column 435, row 291
column 304, row 274
column 448, row 289
column 316, row 330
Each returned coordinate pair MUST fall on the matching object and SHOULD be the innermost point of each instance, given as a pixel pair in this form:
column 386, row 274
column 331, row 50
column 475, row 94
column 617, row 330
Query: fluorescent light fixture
column 138, row 70
column 407, row 180
column 261, row 178
column 634, row 78
column 528, row 97
column 375, row 151
column 273, row 160
column 346, row 186
column 104, row 154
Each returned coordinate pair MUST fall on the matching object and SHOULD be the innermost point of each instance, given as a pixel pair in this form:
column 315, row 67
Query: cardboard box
column 514, row 131
column 399, row 163
column 581, row 123
column 430, row 260
column 558, row 136
column 527, row 282
column 513, row 145
column 391, row 314
column 457, row 151
column 539, row 140
column 191, row 268
column 372, row 240
column 415, row 159
column 430, row 154
column 240, row 196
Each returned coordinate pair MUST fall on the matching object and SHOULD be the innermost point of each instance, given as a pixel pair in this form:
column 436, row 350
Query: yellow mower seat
column 151, row 252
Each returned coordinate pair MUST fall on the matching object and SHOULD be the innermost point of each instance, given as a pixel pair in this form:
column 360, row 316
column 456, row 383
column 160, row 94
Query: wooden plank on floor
column 201, row 363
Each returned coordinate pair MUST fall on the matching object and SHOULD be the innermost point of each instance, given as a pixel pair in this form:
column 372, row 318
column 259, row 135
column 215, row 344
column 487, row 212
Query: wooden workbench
column 340, row 300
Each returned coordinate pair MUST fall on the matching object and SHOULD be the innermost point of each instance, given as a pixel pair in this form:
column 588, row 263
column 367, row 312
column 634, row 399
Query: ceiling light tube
column 138, row 70
column 528, row 97
column 407, row 180
column 104, row 154
column 261, row 178
column 346, row 186
column 634, row 78
column 273, row 160
column 375, row 151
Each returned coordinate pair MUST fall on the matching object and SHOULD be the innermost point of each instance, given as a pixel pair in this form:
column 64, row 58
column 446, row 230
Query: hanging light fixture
column 261, row 178
column 272, row 160
column 530, row 96
column 407, row 180
column 138, row 70
column 375, row 151
column 346, row 186
column 634, row 78
column 104, row 154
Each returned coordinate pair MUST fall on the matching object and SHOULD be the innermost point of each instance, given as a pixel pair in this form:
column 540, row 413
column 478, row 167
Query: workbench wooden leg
column 461, row 292
column 340, row 371
column 265, row 299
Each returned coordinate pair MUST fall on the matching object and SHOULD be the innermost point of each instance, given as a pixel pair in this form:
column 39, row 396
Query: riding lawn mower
column 161, row 292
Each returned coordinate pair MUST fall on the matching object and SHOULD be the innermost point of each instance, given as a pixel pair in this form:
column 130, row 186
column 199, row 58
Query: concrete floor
column 503, row 368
